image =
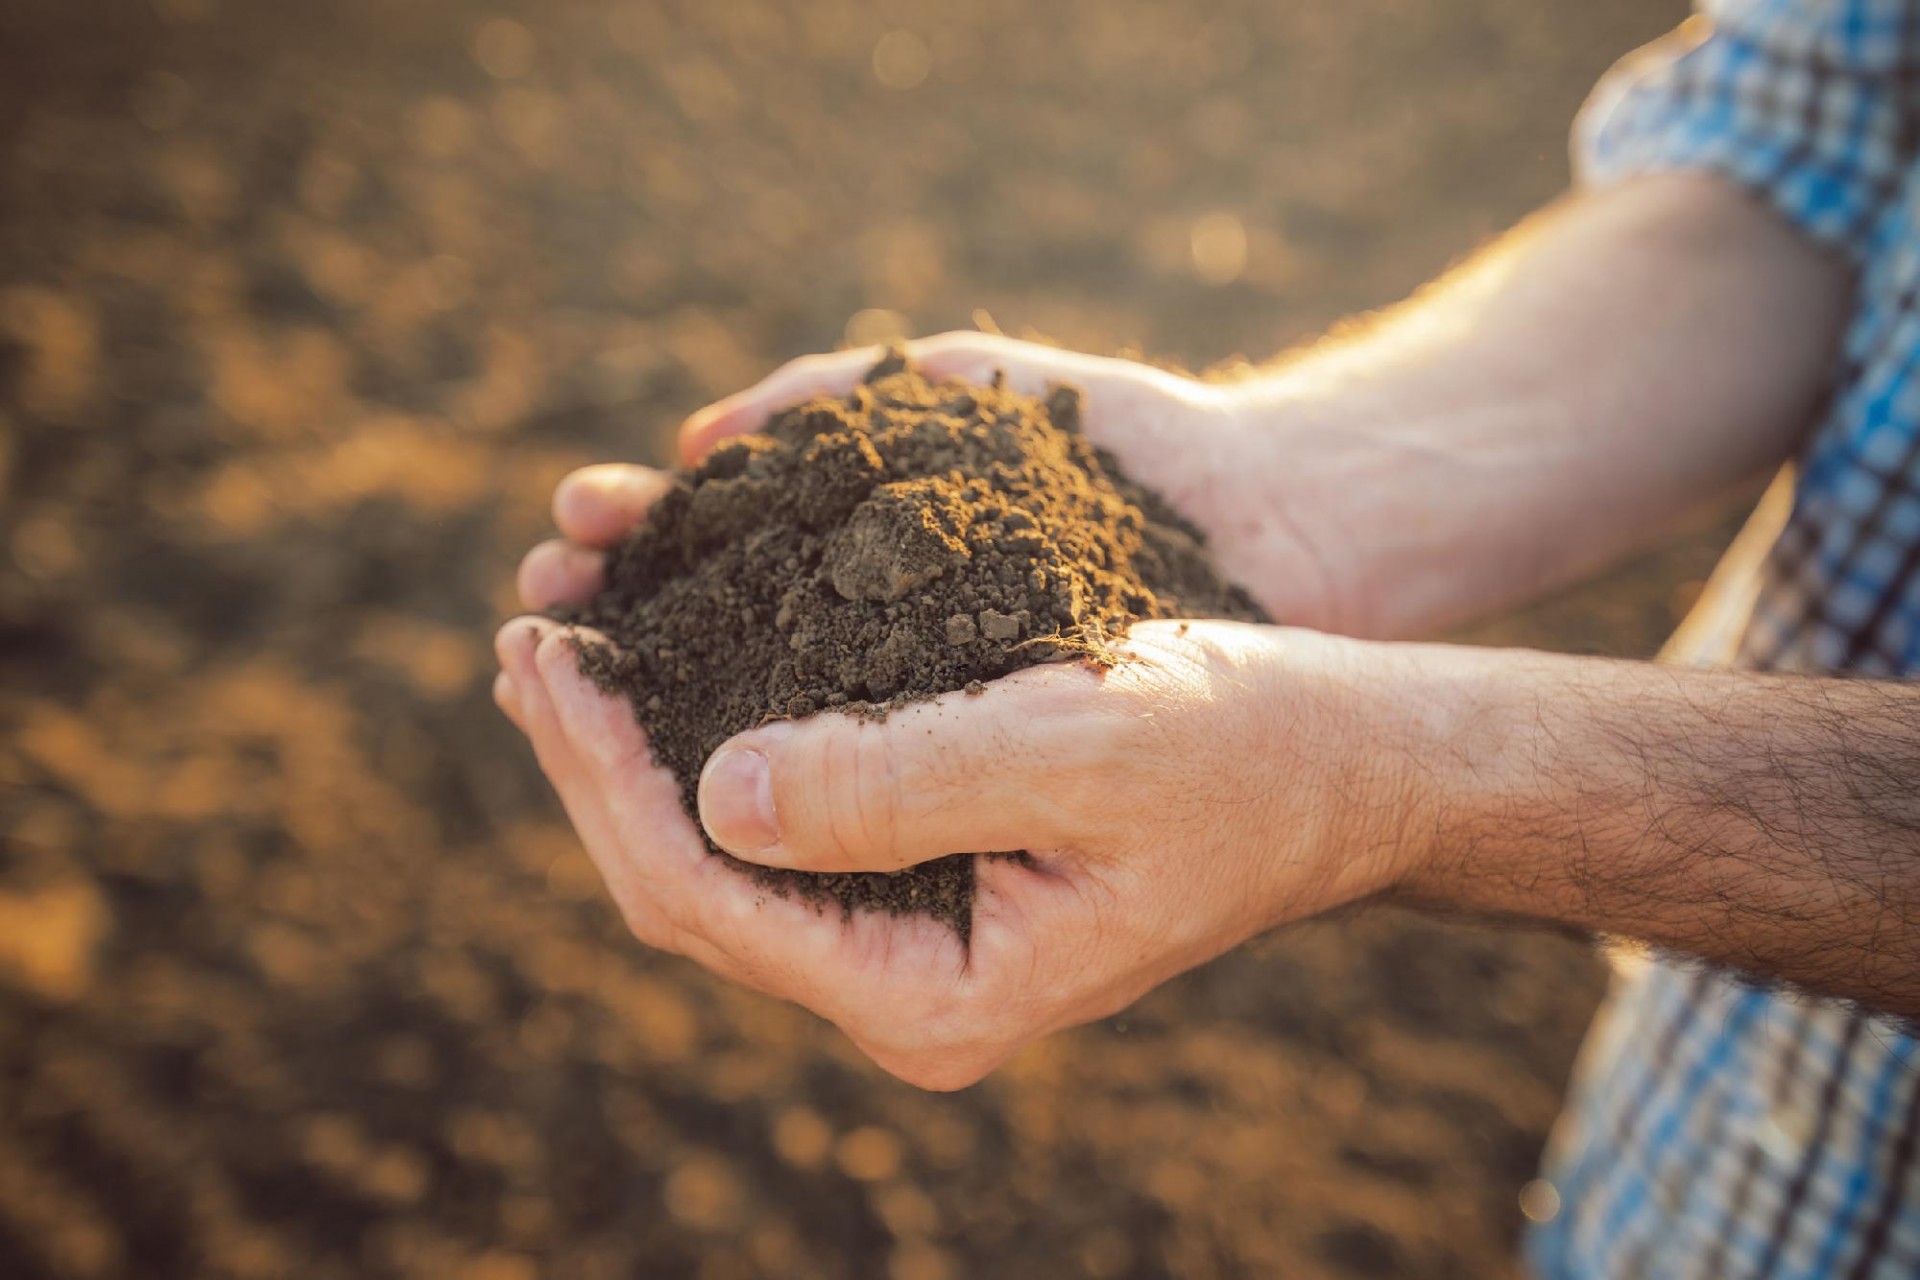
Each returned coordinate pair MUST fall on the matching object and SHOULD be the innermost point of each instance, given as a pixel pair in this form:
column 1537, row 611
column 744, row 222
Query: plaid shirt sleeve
column 1807, row 103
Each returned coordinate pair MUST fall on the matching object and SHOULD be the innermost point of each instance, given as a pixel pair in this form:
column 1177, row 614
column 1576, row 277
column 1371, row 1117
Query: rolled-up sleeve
column 1807, row 103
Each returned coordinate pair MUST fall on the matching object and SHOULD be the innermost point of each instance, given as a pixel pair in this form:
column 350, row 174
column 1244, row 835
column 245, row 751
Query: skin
column 1580, row 386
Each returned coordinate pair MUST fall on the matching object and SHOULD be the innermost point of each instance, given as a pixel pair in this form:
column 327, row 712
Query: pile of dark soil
column 912, row 539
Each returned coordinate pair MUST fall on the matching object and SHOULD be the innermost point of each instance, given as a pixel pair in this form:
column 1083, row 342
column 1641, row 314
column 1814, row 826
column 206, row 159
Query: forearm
column 1770, row 823
column 1622, row 358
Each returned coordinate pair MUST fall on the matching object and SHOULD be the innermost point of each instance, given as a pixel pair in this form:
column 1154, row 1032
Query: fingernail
column 505, row 696
column 736, row 800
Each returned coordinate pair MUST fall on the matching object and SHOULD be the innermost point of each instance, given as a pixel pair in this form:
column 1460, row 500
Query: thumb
column 996, row 772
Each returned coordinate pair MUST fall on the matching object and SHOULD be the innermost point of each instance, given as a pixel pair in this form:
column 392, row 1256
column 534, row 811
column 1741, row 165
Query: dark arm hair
column 1762, row 822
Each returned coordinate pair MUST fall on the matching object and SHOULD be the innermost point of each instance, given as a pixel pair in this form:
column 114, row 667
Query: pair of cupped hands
column 1221, row 779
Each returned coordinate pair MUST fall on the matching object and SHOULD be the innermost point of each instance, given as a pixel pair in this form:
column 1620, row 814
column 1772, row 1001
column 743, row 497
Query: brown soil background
column 302, row 310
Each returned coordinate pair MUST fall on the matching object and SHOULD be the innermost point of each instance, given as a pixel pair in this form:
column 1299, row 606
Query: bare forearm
column 1619, row 360
column 1771, row 823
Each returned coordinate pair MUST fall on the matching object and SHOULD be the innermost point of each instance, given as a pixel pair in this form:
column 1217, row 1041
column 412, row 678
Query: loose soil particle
column 912, row 539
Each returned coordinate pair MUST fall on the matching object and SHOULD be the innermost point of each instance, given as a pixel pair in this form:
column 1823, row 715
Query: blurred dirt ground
column 303, row 309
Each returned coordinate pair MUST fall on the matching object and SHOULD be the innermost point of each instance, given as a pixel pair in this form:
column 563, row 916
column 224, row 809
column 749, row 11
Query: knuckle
column 858, row 788
column 877, row 795
column 1090, row 761
column 835, row 781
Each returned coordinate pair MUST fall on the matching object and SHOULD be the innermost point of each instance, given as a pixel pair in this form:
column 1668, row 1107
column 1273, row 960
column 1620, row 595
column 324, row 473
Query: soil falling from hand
column 909, row 540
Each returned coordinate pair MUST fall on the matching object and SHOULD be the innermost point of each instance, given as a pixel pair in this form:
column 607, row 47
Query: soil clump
column 914, row 538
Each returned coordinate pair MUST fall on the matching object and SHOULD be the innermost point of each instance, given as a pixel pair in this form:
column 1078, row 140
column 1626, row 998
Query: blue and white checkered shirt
column 1718, row 1130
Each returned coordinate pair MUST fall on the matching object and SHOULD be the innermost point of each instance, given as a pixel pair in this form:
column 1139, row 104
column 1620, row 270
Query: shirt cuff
column 1821, row 146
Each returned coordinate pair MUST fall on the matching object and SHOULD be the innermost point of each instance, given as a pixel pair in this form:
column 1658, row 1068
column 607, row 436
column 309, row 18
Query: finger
column 518, row 645
column 647, row 846
column 1109, row 385
column 725, row 920
column 598, row 505
column 560, row 572
column 920, row 1007
column 1029, row 366
column 1067, row 907
column 1004, row 770
column 856, row 970
column 1149, row 417
column 834, row 374
column 602, row 748
column 674, row 893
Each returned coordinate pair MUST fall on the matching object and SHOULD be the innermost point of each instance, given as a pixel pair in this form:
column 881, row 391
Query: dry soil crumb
column 912, row 539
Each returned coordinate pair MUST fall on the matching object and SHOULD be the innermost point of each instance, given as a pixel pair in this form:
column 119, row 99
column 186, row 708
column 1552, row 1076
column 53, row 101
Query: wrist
column 1396, row 487
column 1434, row 499
column 1484, row 726
column 1355, row 728
column 1284, row 519
column 1461, row 739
